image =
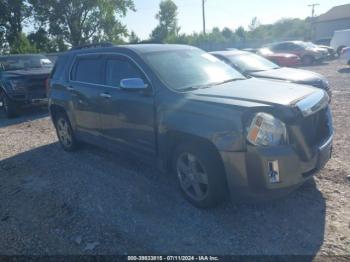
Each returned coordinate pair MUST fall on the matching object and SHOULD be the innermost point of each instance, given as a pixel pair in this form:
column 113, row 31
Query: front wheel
column 201, row 175
column 65, row 133
column 308, row 60
column 10, row 107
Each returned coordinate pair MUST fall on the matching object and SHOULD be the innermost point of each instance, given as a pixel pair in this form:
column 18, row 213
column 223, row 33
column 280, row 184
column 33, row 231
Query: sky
column 223, row 13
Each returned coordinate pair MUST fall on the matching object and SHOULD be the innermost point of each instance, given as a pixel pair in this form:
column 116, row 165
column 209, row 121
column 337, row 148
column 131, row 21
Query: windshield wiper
column 190, row 88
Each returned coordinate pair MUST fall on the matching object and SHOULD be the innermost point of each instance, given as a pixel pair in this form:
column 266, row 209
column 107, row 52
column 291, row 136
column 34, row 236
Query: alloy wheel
column 64, row 132
column 192, row 176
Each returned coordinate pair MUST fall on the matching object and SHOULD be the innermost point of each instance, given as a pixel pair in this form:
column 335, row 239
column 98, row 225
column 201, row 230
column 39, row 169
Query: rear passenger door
column 127, row 116
column 85, row 86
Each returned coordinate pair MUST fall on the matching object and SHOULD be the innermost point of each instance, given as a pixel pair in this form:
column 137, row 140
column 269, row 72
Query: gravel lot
column 97, row 202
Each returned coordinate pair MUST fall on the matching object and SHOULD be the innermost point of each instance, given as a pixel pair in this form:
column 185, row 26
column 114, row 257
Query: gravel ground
column 97, row 202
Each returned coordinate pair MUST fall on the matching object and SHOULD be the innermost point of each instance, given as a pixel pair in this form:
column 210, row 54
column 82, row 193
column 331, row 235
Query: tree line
column 60, row 24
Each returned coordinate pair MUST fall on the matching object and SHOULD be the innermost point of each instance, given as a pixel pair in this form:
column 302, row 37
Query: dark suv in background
column 23, row 81
column 194, row 115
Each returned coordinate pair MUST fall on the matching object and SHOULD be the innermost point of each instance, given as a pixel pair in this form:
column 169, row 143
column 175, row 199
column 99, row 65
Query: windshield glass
column 10, row 63
column 251, row 63
column 307, row 44
column 192, row 68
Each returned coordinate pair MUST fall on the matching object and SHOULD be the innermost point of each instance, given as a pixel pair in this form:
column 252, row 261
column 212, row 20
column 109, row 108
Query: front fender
column 221, row 126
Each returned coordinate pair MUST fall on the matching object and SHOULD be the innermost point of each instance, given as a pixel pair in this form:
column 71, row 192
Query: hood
column 36, row 72
column 257, row 91
column 318, row 50
column 292, row 75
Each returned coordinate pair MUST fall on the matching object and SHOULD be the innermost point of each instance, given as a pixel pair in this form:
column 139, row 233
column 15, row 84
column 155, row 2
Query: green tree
column 21, row 45
column 168, row 23
column 12, row 15
column 81, row 21
column 41, row 40
column 133, row 38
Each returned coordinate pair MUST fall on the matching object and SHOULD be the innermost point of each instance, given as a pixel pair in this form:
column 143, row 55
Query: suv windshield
column 10, row 63
column 190, row 68
column 251, row 62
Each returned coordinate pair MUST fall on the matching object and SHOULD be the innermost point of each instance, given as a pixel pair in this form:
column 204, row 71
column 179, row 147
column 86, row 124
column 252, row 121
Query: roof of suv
column 137, row 48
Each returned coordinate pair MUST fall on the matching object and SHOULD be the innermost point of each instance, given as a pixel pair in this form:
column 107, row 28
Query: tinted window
column 58, row 70
column 120, row 68
column 283, row 46
column 88, row 70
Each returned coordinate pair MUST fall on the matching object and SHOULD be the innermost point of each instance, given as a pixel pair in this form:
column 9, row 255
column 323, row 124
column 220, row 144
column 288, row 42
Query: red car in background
column 281, row 59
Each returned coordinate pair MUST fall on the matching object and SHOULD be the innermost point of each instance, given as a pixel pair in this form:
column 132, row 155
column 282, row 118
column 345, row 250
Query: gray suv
column 191, row 114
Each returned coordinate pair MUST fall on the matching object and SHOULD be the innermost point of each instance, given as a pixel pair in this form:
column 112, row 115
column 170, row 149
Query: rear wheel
column 65, row 132
column 200, row 175
column 11, row 108
column 308, row 60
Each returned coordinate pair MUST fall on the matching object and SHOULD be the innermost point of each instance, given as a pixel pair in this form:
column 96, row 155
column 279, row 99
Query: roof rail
column 96, row 45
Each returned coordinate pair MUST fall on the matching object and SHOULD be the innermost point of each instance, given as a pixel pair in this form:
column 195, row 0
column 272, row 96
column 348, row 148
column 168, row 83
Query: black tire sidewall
column 217, row 186
column 10, row 108
column 340, row 48
column 308, row 60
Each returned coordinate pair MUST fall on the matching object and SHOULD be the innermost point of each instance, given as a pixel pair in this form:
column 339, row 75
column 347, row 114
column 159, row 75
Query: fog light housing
column 273, row 172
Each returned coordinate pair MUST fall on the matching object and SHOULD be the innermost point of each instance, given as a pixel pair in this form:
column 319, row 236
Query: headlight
column 266, row 130
column 326, row 84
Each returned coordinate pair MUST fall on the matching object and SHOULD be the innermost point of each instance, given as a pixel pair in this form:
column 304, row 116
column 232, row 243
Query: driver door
column 127, row 117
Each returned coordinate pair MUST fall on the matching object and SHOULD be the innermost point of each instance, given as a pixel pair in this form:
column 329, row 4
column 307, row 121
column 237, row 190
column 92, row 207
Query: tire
column 65, row 132
column 308, row 60
column 339, row 50
column 11, row 108
column 200, row 174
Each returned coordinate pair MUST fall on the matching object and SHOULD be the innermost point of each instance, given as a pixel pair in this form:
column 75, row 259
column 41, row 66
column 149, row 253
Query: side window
column 295, row 47
column 281, row 47
column 120, row 68
column 88, row 70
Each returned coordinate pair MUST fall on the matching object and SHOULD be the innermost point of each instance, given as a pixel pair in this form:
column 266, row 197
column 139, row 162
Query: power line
column 313, row 9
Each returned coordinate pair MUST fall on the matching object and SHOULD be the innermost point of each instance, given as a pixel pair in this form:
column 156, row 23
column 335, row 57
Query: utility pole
column 313, row 9
column 203, row 10
column 312, row 28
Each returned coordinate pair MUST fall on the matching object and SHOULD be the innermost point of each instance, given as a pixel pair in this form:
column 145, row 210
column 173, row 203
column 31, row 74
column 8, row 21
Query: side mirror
column 133, row 84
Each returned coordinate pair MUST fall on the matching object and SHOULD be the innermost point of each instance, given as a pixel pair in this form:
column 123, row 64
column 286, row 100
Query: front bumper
column 248, row 173
column 28, row 97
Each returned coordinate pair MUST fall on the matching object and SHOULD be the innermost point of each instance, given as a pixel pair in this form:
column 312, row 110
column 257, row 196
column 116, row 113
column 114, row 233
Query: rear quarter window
column 57, row 72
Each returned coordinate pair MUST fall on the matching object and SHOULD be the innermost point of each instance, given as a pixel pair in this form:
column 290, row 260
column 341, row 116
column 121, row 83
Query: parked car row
column 252, row 65
column 219, row 130
column 295, row 53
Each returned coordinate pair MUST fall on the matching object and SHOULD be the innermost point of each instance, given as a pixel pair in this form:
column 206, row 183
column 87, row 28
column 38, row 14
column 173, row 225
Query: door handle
column 69, row 88
column 105, row 95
